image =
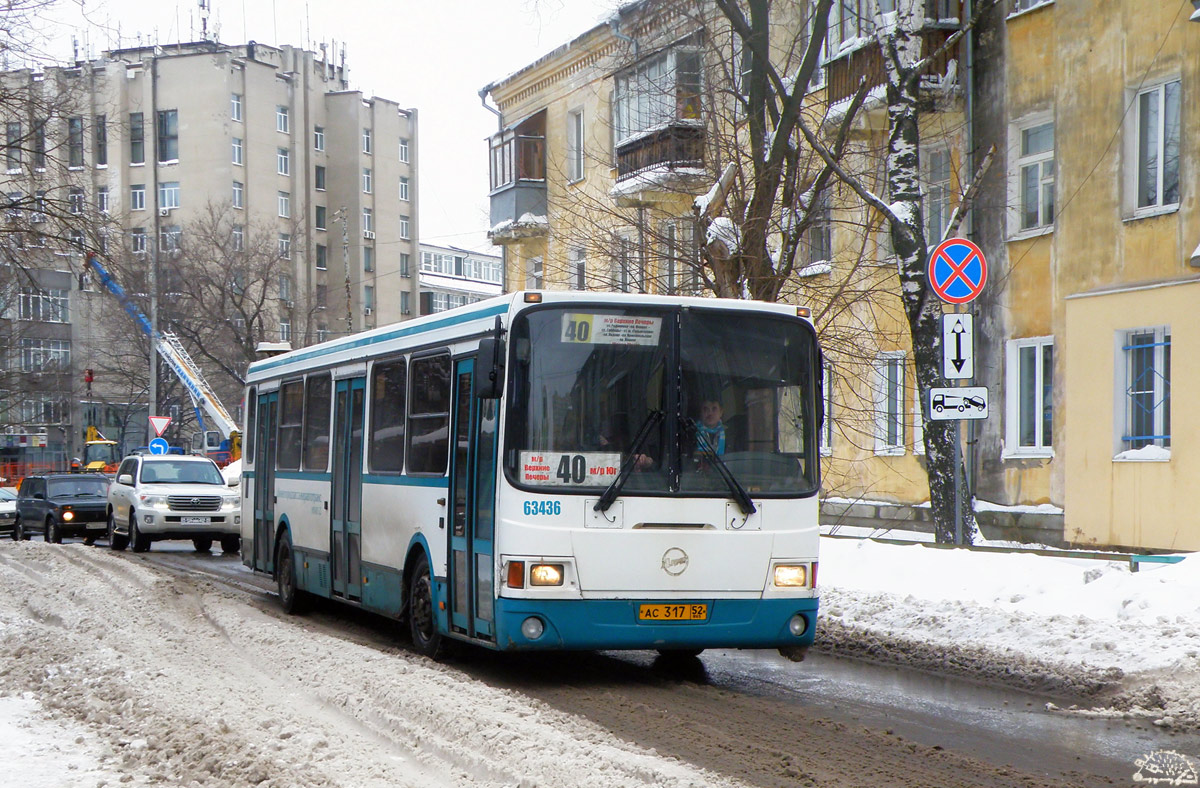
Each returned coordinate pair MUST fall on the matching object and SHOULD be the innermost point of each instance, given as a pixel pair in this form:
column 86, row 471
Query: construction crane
column 204, row 399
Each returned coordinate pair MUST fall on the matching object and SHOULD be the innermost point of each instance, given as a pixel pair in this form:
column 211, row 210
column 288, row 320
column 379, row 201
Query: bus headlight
column 546, row 575
column 791, row 575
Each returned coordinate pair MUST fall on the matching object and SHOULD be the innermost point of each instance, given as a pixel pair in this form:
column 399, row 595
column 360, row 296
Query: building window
column 101, row 141
column 1035, row 177
column 45, row 355
column 137, row 197
column 75, row 142
column 237, row 151
column 75, row 201
column 1025, row 5
column 322, row 257
column 137, row 240
column 239, row 195
column 577, row 262
column 1157, row 157
column 368, row 296
column 1147, row 385
column 318, row 138
column 285, row 330
column 238, row 236
column 575, row 145
column 319, row 179
column 661, row 89
column 366, row 180
column 404, row 229
column 405, row 307
column 368, row 220
column 404, row 189
column 320, row 220
column 678, row 253
column 39, row 144
column 169, row 238
column 283, row 161
column 235, row 106
column 168, row 135
column 137, row 138
column 285, row 204
column 403, row 150
column 936, row 164
column 321, row 294
column 533, row 274
column 12, row 150
column 285, row 246
column 322, row 332
column 889, row 398
column 1029, row 424
column 285, row 287
column 818, row 238
column 45, row 306
column 366, row 138
column 102, row 199
column 282, row 120
column 168, row 194
column 368, row 259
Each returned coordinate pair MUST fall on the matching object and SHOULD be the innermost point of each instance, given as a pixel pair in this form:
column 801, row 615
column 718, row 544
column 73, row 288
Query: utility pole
column 340, row 216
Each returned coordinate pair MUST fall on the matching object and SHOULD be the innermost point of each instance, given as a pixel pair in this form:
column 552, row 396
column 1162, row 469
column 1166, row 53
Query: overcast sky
column 434, row 55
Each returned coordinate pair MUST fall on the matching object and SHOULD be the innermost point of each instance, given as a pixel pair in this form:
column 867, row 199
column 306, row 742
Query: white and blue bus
column 549, row 470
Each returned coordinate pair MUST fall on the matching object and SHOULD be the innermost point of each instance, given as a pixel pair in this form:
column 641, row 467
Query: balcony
column 518, row 178
column 660, row 163
column 843, row 73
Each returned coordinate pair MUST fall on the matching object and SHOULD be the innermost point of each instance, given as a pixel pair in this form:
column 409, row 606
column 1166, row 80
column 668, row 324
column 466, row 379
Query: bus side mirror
column 489, row 366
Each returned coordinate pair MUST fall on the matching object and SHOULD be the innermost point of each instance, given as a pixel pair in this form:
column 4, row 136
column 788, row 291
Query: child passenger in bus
column 710, row 428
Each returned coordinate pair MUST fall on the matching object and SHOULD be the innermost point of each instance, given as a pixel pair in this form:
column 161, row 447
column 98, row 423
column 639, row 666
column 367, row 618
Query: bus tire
column 293, row 601
column 422, row 625
column 115, row 540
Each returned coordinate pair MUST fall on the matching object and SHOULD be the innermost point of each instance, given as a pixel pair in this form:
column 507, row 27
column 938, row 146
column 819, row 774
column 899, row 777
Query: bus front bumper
column 590, row 624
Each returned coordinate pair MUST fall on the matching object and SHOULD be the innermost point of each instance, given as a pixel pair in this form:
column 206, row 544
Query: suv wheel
column 19, row 534
column 202, row 545
column 231, row 543
column 52, row 533
column 115, row 540
column 139, row 541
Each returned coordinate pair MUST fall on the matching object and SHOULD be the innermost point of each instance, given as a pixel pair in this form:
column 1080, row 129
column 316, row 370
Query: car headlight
column 68, row 516
column 154, row 501
column 791, row 575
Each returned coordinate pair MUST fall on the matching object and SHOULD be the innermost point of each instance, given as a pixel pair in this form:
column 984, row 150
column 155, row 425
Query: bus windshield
column 670, row 393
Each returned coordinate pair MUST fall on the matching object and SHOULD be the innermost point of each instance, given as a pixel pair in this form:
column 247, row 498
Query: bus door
column 472, row 519
column 345, row 502
column 264, row 482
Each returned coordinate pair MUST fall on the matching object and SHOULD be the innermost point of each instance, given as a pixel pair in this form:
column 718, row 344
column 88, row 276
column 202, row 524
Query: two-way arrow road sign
column 958, row 347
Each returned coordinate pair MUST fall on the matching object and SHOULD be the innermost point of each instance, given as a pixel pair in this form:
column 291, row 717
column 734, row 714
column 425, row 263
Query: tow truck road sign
column 958, row 347
column 951, row 403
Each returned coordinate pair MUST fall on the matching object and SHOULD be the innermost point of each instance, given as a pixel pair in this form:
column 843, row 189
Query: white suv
column 172, row 497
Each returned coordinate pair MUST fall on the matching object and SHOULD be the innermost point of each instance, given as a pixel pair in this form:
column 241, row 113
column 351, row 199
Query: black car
column 62, row 504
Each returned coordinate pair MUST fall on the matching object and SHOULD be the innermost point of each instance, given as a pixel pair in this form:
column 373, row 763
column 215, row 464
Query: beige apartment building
column 160, row 155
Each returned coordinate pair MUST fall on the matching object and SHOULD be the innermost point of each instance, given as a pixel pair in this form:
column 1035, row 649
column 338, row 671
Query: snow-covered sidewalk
column 1128, row 640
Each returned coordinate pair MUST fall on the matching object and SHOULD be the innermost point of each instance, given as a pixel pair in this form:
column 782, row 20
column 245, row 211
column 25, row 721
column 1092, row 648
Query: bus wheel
column 291, row 598
column 421, row 624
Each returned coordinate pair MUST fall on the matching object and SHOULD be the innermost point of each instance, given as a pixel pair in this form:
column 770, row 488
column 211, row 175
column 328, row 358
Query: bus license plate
column 687, row 612
column 195, row 520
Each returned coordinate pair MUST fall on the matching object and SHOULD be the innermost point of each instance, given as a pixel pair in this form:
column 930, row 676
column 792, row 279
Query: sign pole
column 958, row 523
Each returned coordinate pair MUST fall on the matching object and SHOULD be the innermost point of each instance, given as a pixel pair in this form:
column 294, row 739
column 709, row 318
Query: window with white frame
column 577, row 263
column 319, row 178
column 1034, row 176
column 320, row 218
column 366, row 180
column 137, row 197
column 285, row 204
column 102, row 199
column 75, row 201
column 237, row 151
column 1157, row 121
column 1025, row 5
column 369, row 296
column 368, row 220
column 168, row 194
column 285, row 246
column 366, row 139
column 169, row 238
column 575, row 145
column 235, row 106
column 321, row 257
column 239, row 195
column 888, row 389
column 238, row 236
column 318, row 138
column 533, row 274
column 1029, row 385
column 282, row 120
column 935, row 163
column 405, row 264
column 849, row 24
column 46, row 306
column 405, row 302
column 678, row 255
column 137, row 240
column 660, row 89
column 42, row 409
column 285, row 330
column 404, row 189
column 404, row 226
column 283, row 161
column 622, row 262
column 403, row 150
column 918, row 418
column 285, row 287
column 1146, row 368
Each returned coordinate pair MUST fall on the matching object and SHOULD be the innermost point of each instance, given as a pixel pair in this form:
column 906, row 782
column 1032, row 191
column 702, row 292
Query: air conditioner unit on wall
column 367, row 310
column 164, row 211
column 369, row 235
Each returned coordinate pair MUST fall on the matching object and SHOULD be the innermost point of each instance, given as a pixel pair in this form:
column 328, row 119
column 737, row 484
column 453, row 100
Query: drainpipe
column 614, row 25
column 483, row 94
column 153, row 241
column 969, row 111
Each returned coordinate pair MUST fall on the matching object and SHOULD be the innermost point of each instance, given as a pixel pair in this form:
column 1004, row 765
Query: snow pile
column 1077, row 626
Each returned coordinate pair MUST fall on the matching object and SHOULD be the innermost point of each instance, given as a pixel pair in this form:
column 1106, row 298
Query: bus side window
column 317, row 401
column 250, row 438
column 387, row 417
column 291, row 417
column 429, row 415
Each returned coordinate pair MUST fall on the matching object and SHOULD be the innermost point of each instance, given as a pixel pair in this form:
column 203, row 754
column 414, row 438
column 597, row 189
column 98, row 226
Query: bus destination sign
column 560, row 469
column 581, row 328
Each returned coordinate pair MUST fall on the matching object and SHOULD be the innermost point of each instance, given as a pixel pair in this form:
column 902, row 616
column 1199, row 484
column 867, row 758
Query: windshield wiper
column 739, row 492
column 653, row 419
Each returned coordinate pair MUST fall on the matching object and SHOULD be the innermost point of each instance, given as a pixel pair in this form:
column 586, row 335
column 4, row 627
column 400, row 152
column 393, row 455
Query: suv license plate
column 195, row 520
column 686, row 612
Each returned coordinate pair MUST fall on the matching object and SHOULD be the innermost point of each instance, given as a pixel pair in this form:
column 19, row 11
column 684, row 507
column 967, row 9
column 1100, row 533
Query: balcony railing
column 844, row 73
column 676, row 146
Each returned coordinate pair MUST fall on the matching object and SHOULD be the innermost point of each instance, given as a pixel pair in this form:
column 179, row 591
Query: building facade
column 452, row 277
column 183, row 163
